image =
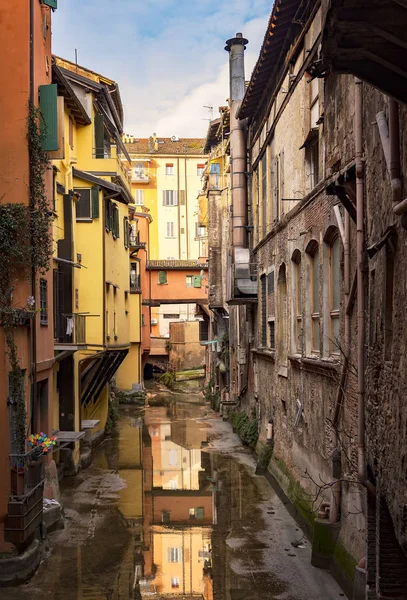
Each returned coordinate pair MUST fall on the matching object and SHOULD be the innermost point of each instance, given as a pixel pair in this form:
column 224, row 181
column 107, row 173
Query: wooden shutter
column 107, row 215
column 125, row 233
column 99, row 136
column 49, row 116
column 197, row 281
column 52, row 3
column 165, row 198
column 95, row 201
column 199, row 512
column 182, row 197
column 174, row 198
column 162, row 276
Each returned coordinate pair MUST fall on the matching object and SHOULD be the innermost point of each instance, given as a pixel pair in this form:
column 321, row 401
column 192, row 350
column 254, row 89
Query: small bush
column 168, row 379
column 113, row 414
column 265, row 456
column 246, row 428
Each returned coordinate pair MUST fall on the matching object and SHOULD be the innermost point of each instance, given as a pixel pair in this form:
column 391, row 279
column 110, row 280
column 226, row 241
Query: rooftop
column 176, row 264
column 163, row 145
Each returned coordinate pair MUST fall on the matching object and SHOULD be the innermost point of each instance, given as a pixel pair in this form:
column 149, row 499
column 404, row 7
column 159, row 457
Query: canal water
column 171, row 508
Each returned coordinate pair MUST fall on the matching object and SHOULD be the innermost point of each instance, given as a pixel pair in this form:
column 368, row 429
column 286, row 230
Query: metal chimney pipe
column 236, row 47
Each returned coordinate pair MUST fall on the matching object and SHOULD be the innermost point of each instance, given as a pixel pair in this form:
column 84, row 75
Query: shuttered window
column 95, row 202
column 126, row 232
column 139, row 197
column 52, row 3
column 263, row 283
column 170, row 198
column 199, row 170
column 83, row 208
column 108, row 224
column 169, row 169
column 99, row 136
column 115, row 224
column 197, row 281
column 43, row 302
column 49, row 117
column 162, row 277
column 170, row 229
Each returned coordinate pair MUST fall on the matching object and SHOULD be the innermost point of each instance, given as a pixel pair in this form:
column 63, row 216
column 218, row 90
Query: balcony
column 135, row 243
column 135, row 287
column 140, row 175
column 70, row 330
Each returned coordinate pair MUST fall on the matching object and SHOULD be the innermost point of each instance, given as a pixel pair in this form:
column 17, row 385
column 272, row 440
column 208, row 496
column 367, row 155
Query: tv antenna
column 210, row 111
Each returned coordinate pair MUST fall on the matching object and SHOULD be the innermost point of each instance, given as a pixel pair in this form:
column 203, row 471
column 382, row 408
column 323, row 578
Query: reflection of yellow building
column 130, row 468
column 94, row 315
column 180, row 559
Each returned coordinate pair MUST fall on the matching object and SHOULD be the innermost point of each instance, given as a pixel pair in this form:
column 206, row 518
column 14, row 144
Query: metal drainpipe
column 236, row 47
column 360, row 248
column 33, row 328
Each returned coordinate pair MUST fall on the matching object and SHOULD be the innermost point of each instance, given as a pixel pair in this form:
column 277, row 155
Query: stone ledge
column 263, row 353
column 18, row 569
column 315, row 365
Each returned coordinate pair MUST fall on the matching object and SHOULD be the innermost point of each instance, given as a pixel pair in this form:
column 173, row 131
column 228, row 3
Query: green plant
column 25, row 248
column 168, row 379
column 246, row 428
column 168, row 346
column 265, row 456
column 113, row 413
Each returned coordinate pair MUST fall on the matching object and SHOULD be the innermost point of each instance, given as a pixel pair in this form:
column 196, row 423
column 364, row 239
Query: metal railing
column 134, row 241
column 134, row 282
column 70, row 328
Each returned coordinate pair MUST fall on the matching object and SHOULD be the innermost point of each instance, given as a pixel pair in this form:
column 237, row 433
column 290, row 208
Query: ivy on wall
column 25, row 248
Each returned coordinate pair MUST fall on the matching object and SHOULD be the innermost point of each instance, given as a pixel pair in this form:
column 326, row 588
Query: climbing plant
column 25, row 248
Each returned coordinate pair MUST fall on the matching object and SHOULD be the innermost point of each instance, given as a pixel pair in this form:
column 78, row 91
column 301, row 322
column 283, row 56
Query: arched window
column 296, row 301
column 314, row 296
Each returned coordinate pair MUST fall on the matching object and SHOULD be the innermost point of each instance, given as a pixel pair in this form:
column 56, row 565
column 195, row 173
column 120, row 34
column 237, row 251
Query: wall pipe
column 236, row 47
column 360, row 250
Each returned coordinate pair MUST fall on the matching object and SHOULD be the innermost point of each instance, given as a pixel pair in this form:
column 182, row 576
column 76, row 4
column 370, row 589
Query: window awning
column 71, row 263
column 310, row 139
column 107, row 185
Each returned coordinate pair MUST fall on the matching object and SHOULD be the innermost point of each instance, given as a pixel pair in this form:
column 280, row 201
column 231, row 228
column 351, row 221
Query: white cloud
column 166, row 55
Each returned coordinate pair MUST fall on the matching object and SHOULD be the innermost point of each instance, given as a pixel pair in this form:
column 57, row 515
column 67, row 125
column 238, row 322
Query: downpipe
column 360, row 259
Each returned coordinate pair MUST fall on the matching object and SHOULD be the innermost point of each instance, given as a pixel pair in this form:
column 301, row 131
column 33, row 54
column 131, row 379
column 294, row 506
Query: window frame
column 138, row 194
column 171, row 229
column 313, row 252
column 334, row 313
column 296, row 260
column 169, row 169
column 81, row 191
column 43, row 301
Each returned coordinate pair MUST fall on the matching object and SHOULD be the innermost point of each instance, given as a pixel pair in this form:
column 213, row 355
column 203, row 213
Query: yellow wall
column 130, row 369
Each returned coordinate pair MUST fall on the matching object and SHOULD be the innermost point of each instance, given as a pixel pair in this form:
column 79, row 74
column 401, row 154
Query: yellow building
column 95, row 317
column 167, row 179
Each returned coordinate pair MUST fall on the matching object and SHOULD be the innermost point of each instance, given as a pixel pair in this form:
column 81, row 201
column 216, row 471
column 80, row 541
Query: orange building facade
column 26, row 77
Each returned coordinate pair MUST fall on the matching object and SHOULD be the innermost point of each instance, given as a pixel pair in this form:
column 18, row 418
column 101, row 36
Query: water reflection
column 178, row 505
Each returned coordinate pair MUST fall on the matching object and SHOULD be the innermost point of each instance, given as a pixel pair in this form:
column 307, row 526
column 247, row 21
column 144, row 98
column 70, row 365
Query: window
column 169, row 169
column 128, row 234
column 272, row 333
column 282, row 315
column 170, row 198
column 263, row 285
column 115, row 222
column 134, row 277
column 83, row 209
column 200, row 169
column 314, row 295
column 311, row 143
column 174, row 582
column 173, row 485
column 140, row 172
column 271, row 309
column 297, row 304
column 170, row 316
column 172, row 457
column 139, row 197
column 170, row 229
column 175, row 555
column 165, row 516
column 264, row 191
column 162, row 277
column 43, row 302
column 334, row 257
column 196, row 513
column 189, row 281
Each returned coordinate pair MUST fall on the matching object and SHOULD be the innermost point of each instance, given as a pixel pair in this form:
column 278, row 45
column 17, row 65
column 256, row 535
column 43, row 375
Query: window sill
column 265, row 353
column 315, row 365
column 44, row 324
column 84, row 220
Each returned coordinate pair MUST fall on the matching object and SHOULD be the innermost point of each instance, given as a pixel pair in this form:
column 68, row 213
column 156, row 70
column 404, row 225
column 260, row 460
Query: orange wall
column 175, row 289
column 14, row 181
column 143, row 225
column 179, row 507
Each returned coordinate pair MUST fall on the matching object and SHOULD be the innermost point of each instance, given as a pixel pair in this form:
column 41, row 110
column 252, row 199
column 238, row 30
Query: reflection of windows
column 174, row 555
column 173, row 457
column 173, row 484
column 175, row 582
column 165, row 516
column 196, row 513
column 154, row 432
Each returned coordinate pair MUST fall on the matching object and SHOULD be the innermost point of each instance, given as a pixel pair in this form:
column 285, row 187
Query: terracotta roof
column 176, row 264
column 146, row 146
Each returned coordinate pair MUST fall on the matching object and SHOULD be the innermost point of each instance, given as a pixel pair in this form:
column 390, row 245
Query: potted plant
column 38, row 444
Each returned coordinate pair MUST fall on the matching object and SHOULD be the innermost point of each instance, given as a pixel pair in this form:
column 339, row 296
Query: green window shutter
column 117, row 222
column 162, row 276
column 125, row 233
column 111, row 217
column 49, row 116
column 95, row 201
column 197, row 281
column 99, row 136
column 199, row 513
column 51, row 3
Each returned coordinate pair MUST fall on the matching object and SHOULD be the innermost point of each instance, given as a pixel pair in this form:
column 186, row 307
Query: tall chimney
column 236, row 47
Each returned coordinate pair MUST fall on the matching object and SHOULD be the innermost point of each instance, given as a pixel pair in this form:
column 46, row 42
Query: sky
column 167, row 56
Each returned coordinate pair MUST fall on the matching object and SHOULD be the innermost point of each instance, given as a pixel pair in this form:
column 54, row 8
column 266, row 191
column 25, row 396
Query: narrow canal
column 171, row 508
